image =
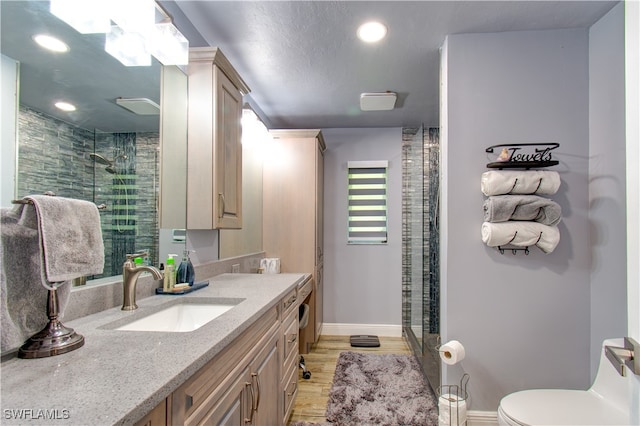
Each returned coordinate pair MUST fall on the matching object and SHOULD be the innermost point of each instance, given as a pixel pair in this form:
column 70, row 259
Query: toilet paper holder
column 453, row 399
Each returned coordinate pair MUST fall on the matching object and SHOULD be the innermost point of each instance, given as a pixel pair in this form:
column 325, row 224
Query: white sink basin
column 183, row 317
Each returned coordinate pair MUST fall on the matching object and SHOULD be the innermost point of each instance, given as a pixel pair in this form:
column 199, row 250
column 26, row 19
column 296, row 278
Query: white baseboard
column 341, row 329
column 482, row 418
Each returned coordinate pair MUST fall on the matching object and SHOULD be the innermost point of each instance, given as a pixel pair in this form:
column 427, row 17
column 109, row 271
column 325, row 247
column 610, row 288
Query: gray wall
column 524, row 320
column 607, row 179
column 362, row 283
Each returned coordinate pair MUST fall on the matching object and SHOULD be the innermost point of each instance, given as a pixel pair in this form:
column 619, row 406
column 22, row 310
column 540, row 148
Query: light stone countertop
column 118, row 377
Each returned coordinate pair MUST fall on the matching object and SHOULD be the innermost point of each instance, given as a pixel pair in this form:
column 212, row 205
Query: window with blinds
column 367, row 202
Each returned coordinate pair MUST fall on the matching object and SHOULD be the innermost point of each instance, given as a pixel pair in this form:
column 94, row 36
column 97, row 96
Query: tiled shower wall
column 54, row 156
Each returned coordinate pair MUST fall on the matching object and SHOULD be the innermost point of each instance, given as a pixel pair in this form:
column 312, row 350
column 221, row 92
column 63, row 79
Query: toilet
column 607, row 402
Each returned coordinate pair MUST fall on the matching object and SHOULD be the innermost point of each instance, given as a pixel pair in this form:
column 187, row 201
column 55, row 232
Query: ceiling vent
column 140, row 106
column 384, row 101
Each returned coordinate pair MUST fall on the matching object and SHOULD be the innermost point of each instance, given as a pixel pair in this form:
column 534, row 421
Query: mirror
column 100, row 152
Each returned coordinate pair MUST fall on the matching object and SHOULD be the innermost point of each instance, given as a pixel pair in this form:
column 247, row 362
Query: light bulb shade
column 129, row 48
column 85, row 16
column 167, row 44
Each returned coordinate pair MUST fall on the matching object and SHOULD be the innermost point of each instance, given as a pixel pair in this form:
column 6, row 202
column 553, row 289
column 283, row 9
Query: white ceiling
column 306, row 68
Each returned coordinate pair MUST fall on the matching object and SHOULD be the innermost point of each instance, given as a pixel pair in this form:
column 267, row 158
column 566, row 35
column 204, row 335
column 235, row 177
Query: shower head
column 100, row 159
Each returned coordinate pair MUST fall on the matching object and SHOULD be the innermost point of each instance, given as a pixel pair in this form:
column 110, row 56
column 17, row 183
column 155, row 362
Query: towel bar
column 99, row 206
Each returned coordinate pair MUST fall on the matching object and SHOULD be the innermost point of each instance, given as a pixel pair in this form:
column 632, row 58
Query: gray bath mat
column 380, row 389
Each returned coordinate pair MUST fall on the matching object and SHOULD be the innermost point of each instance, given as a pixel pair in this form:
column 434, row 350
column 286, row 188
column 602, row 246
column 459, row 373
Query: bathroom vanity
column 225, row 371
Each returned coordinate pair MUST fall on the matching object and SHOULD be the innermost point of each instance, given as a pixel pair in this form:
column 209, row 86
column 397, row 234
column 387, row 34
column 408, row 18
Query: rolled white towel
column 500, row 182
column 521, row 234
column 502, row 208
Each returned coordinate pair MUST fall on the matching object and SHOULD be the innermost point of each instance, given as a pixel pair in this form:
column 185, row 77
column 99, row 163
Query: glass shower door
column 421, row 286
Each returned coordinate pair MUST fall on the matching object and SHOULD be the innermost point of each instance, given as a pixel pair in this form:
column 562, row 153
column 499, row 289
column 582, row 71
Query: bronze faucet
column 130, row 272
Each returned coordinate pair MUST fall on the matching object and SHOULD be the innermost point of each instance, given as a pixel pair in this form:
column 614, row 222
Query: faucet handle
column 137, row 255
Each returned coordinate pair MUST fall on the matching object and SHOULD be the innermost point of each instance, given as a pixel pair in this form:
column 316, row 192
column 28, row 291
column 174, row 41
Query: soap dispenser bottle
column 169, row 274
column 186, row 273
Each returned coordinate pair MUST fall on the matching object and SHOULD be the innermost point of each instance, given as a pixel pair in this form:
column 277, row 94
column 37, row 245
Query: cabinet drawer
column 290, row 390
column 288, row 303
column 290, row 364
column 305, row 290
column 290, row 336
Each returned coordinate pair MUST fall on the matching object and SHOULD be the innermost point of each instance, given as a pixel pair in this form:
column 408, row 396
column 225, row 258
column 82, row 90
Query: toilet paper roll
column 452, row 410
column 452, row 352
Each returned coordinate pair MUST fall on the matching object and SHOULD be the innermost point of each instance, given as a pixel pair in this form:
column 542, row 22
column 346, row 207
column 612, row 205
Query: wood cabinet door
column 319, row 205
column 227, row 153
column 265, row 376
column 214, row 150
column 234, row 406
column 319, row 300
column 157, row 416
column 319, row 242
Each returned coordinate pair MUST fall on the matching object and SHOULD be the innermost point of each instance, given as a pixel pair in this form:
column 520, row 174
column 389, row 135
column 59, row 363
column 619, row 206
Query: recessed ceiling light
column 371, row 32
column 51, row 43
column 65, row 106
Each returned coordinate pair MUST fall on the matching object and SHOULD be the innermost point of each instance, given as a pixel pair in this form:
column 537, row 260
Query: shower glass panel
column 421, row 290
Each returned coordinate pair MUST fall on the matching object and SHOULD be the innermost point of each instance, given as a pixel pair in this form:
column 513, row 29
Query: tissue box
column 270, row 265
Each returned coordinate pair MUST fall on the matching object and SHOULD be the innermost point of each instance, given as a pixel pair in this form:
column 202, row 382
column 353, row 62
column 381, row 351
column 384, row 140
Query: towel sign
column 522, row 155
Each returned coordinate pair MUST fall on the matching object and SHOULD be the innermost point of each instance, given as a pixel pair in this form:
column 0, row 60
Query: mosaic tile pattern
column 54, row 156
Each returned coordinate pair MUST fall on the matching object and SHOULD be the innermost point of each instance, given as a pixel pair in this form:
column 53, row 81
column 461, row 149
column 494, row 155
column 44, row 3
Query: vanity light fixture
column 371, row 32
column 65, row 106
column 85, row 16
column 133, row 15
column 167, row 44
column 51, row 43
column 127, row 47
column 142, row 28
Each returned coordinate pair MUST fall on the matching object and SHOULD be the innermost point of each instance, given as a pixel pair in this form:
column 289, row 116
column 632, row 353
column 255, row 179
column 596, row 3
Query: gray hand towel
column 70, row 237
column 23, row 302
column 502, row 208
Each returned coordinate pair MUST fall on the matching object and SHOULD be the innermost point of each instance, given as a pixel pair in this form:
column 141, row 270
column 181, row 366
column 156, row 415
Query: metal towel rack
column 55, row 338
column 23, row 201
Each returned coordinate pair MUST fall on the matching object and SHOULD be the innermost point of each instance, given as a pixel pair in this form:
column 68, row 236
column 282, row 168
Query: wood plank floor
column 313, row 394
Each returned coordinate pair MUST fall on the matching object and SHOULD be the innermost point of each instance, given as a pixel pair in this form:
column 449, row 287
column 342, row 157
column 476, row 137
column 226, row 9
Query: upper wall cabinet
column 214, row 172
